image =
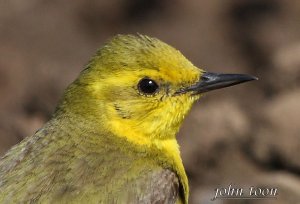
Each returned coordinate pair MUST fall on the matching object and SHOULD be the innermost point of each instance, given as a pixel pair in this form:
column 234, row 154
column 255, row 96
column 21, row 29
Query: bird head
column 140, row 88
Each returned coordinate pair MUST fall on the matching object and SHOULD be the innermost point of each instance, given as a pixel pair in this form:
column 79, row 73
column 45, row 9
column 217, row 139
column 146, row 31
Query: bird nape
column 112, row 138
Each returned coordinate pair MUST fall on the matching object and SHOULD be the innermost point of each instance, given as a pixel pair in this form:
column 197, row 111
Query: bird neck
column 92, row 137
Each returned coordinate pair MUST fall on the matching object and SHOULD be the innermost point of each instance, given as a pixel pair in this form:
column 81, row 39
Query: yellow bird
column 112, row 138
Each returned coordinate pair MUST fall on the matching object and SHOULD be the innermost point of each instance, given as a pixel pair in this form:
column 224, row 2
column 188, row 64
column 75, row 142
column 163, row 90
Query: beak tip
column 253, row 78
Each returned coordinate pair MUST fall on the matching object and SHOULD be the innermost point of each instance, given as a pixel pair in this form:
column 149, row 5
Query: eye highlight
column 147, row 86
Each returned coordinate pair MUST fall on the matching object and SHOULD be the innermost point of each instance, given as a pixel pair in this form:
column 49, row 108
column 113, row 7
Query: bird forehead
column 179, row 74
column 170, row 67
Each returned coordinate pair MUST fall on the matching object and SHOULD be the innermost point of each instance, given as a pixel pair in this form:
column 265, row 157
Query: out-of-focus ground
column 248, row 135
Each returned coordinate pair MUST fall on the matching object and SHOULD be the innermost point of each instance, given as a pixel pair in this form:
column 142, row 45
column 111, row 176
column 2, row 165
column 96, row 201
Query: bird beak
column 210, row 81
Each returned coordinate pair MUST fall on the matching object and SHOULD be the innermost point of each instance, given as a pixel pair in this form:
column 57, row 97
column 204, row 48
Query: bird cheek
column 122, row 113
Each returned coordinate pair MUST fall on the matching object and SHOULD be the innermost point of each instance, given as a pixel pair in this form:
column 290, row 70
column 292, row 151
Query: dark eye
column 147, row 86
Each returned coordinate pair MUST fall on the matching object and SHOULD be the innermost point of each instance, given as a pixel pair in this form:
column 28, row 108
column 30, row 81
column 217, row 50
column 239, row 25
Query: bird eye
column 147, row 86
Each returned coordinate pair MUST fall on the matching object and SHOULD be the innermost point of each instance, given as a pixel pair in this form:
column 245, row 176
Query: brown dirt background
column 248, row 135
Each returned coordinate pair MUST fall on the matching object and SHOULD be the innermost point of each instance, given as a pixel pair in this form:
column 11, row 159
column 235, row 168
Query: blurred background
column 248, row 135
